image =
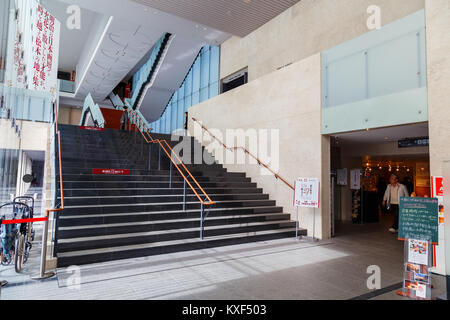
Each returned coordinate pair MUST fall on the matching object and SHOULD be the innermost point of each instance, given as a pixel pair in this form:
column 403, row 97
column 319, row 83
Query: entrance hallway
column 279, row 269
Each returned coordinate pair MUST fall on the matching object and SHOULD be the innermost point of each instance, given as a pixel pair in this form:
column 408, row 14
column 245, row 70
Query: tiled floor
column 282, row 269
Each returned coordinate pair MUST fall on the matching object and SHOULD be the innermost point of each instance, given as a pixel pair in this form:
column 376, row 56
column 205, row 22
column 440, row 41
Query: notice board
column 419, row 219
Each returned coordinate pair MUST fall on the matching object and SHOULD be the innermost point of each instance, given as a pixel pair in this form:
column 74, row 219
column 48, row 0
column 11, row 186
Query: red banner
column 111, row 171
column 91, row 128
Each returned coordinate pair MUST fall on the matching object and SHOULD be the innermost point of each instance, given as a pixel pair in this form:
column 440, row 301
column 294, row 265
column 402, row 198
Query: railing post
column 184, row 196
column 42, row 269
column 159, row 158
column 201, row 221
column 142, row 147
column 150, row 147
column 170, row 173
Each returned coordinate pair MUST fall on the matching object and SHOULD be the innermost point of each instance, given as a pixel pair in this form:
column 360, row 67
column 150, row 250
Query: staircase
column 110, row 217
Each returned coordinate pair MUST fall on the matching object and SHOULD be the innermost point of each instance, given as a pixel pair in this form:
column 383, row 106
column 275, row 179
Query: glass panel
column 346, row 80
column 394, row 66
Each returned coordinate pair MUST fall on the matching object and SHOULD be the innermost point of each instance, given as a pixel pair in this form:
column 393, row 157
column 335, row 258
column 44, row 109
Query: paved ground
column 282, row 269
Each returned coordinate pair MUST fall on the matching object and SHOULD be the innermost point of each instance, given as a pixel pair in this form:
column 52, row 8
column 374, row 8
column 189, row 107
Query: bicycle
column 25, row 237
column 16, row 238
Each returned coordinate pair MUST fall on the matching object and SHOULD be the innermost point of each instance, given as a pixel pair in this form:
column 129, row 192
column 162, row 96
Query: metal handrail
column 277, row 176
column 139, row 123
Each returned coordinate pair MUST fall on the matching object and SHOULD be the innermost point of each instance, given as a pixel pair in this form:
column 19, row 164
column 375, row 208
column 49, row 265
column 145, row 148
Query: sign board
column 307, row 193
column 355, row 179
column 437, row 190
column 111, row 171
column 414, row 142
column 342, row 179
column 91, row 128
column 419, row 219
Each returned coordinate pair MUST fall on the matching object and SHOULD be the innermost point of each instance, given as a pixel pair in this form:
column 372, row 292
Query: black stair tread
column 161, row 203
column 174, row 242
column 62, row 216
column 121, row 189
column 159, row 232
column 125, row 224
column 164, row 195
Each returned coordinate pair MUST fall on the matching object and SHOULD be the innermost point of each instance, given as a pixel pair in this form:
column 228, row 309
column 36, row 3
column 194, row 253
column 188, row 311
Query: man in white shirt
column 394, row 192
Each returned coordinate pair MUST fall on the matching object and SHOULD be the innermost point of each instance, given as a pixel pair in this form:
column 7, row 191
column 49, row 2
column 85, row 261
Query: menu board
column 419, row 219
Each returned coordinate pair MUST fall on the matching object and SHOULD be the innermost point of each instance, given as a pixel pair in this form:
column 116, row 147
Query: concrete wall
column 438, row 58
column 288, row 100
column 34, row 136
column 309, row 27
column 438, row 55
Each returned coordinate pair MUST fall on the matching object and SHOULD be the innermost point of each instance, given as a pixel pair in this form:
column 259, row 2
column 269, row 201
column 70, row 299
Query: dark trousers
column 394, row 208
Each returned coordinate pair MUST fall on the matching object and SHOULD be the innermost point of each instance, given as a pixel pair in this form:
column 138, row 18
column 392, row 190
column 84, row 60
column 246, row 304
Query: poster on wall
column 342, row 177
column 437, row 190
column 43, row 60
column 307, row 192
column 355, row 179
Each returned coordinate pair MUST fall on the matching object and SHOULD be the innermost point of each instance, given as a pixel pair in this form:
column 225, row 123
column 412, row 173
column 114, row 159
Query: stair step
column 148, row 249
column 110, row 217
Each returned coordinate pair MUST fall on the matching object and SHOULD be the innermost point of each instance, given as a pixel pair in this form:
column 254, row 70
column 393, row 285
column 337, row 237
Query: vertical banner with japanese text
column 43, row 70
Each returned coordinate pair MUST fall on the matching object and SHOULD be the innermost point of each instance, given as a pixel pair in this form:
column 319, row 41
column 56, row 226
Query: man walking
column 124, row 119
column 391, row 199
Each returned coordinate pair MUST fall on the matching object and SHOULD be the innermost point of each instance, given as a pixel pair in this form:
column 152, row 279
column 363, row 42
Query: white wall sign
column 342, row 179
column 307, row 191
column 355, row 179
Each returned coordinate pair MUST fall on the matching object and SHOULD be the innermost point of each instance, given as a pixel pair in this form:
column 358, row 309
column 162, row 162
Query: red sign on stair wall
column 91, row 128
column 111, row 171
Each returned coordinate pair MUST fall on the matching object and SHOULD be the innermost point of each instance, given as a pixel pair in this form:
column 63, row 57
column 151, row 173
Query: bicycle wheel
column 19, row 252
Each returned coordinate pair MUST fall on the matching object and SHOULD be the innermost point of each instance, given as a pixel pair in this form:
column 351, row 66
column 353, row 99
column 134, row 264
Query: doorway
column 361, row 165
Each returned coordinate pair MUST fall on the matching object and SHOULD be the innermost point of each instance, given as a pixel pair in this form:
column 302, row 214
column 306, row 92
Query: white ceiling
column 121, row 49
column 388, row 134
column 72, row 42
column 237, row 17
column 132, row 32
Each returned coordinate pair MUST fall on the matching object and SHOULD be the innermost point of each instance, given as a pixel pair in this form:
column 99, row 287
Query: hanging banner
column 306, row 193
column 42, row 72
